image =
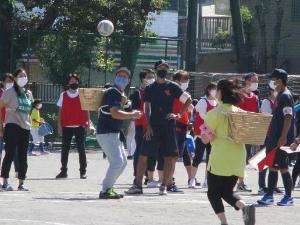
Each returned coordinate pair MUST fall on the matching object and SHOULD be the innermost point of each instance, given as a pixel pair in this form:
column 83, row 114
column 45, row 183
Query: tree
column 262, row 9
column 73, row 17
column 243, row 59
column 6, row 15
column 279, row 12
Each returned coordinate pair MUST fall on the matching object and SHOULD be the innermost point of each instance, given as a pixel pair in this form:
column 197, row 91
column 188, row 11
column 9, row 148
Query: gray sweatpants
column 115, row 152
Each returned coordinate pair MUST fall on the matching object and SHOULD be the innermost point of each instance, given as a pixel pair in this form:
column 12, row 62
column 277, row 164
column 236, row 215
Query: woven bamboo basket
column 90, row 98
column 249, row 128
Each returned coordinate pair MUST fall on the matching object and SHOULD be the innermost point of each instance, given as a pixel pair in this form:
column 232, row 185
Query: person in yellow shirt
column 227, row 159
column 37, row 121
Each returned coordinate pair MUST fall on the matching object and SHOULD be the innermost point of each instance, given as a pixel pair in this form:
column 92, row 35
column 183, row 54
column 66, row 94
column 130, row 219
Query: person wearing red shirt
column 147, row 77
column 250, row 103
column 72, row 121
column 204, row 105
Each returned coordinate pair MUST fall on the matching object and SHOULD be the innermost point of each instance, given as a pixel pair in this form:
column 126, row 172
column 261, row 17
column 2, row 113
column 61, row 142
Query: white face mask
column 184, row 86
column 39, row 106
column 9, row 85
column 254, row 87
column 22, row 81
column 213, row 93
column 272, row 84
column 149, row 81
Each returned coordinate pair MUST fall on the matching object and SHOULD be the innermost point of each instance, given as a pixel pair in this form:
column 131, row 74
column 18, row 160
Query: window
column 296, row 10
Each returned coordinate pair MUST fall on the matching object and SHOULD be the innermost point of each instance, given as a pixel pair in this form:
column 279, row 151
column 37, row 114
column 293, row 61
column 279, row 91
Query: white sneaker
column 152, row 184
column 192, row 183
column 204, row 185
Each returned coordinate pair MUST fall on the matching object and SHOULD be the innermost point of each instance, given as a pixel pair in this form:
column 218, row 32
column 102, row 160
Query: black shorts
column 163, row 140
column 281, row 160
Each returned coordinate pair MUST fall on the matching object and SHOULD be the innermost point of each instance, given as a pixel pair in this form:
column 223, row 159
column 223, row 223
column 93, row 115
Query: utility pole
column 191, row 46
column 182, row 29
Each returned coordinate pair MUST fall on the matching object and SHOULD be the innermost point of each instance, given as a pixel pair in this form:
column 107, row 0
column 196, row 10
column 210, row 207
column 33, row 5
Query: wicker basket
column 90, row 98
column 249, row 128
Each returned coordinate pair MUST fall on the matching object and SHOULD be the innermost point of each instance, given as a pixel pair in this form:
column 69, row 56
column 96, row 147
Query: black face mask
column 162, row 73
column 74, row 86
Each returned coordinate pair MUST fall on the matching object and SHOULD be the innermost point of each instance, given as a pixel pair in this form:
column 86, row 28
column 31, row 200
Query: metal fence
column 216, row 33
column 51, row 56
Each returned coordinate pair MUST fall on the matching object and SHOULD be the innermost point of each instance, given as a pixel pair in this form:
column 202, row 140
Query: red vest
column 71, row 112
column 177, row 106
column 249, row 104
column 199, row 121
column 142, row 121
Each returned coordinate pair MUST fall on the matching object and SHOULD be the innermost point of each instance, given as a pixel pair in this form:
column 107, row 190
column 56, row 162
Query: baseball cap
column 161, row 63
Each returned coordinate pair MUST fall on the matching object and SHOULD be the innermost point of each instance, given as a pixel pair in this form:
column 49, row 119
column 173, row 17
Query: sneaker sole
column 264, row 203
column 280, row 204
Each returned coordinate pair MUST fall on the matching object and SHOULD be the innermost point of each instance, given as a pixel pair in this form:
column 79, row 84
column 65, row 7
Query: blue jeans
column 115, row 152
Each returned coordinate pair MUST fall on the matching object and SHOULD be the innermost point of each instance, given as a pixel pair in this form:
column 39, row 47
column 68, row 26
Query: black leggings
column 296, row 170
column 68, row 133
column 15, row 137
column 221, row 187
column 199, row 152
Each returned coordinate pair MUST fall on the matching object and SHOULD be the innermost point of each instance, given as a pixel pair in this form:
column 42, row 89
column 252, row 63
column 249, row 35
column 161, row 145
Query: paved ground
column 75, row 202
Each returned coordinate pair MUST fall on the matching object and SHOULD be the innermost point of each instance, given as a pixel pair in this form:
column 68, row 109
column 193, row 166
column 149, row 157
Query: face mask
column 149, row 81
column 9, row 85
column 162, row 73
column 213, row 93
column 184, row 86
column 39, row 106
column 22, row 81
column 121, row 82
column 254, row 87
column 272, row 84
column 74, row 86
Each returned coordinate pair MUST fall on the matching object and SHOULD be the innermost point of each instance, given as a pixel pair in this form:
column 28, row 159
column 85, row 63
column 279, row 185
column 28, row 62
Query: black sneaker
column 62, row 175
column 249, row 215
column 22, row 188
column 174, row 189
column 130, row 157
column 134, row 190
column 146, row 181
column 83, row 176
column 110, row 194
column 243, row 188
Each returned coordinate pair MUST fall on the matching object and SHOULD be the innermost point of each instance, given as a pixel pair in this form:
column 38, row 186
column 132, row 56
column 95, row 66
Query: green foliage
column 65, row 17
column 221, row 39
column 247, row 16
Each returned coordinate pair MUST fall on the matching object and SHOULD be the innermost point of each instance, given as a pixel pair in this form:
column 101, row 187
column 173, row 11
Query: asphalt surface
column 75, row 202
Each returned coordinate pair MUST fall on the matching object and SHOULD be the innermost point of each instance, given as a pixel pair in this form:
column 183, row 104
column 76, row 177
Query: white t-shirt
column 70, row 94
column 201, row 106
column 266, row 106
column 61, row 98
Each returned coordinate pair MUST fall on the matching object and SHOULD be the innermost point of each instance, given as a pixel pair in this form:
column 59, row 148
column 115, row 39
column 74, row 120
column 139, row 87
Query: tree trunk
column 277, row 33
column 239, row 37
column 6, row 12
column 262, row 9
